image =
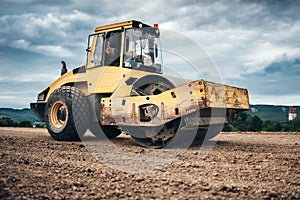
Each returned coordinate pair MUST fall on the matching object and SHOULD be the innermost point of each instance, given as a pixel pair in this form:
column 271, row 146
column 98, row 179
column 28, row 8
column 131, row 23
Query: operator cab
column 130, row 44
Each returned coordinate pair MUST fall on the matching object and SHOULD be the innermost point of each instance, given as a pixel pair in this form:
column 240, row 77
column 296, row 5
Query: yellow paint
column 116, row 26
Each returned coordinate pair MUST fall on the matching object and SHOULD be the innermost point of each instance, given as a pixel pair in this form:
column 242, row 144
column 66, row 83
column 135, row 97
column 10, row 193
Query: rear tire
column 66, row 114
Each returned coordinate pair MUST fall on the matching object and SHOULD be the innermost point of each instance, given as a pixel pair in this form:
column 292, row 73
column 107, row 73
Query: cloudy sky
column 253, row 44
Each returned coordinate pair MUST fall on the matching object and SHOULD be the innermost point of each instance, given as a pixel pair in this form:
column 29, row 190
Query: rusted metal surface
column 224, row 96
column 185, row 101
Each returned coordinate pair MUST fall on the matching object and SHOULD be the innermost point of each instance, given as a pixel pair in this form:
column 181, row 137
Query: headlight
column 42, row 96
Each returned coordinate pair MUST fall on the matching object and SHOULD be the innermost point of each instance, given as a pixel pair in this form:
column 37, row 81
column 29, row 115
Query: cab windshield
column 142, row 50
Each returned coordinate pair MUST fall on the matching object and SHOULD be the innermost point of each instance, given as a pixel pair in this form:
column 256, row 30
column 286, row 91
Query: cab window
column 107, row 49
column 98, row 54
column 112, row 48
column 142, row 50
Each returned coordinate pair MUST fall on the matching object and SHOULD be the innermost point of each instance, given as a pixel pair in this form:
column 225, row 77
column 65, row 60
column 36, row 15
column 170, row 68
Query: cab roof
column 126, row 24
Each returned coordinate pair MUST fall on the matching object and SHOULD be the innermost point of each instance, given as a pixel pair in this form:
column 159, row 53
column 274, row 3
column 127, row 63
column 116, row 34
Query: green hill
column 18, row 115
column 273, row 113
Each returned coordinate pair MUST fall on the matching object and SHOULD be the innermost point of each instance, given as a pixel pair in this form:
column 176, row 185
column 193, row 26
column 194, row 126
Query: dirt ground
column 234, row 166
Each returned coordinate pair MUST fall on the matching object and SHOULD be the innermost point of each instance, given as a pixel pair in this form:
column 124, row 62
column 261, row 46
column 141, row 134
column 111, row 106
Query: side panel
column 104, row 79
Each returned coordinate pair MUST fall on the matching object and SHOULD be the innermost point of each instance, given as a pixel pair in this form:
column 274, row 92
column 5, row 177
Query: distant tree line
column 8, row 122
column 246, row 122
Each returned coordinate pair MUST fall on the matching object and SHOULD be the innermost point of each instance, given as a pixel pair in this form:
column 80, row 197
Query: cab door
column 104, row 69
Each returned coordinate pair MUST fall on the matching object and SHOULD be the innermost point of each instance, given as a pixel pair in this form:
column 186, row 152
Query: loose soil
column 231, row 166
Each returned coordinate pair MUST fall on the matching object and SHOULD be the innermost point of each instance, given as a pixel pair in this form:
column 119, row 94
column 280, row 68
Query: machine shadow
column 120, row 140
column 228, row 145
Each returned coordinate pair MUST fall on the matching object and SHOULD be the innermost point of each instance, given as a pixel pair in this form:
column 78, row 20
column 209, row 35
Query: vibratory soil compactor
column 121, row 88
